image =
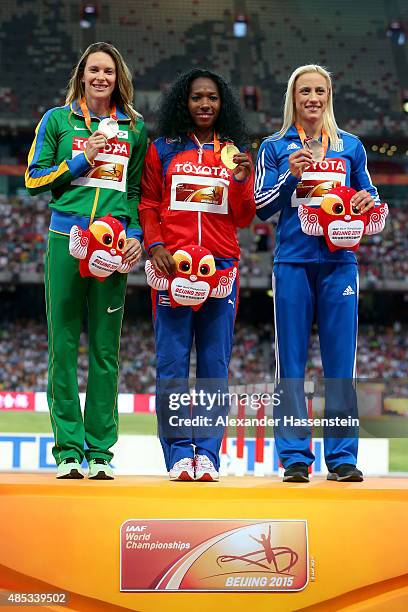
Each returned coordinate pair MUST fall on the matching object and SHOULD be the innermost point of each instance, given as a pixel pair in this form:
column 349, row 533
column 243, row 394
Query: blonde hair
column 289, row 114
column 123, row 92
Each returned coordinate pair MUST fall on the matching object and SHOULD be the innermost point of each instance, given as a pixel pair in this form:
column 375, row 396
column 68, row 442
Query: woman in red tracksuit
column 199, row 117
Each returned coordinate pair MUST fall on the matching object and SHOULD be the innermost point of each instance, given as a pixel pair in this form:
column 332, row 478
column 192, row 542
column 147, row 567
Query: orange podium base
column 65, row 536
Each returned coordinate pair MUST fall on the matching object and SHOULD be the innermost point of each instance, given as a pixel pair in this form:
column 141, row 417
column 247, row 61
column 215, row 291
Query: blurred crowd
column 24, row 224
column 23, row 234
column 382, row 351
column 382, row 256
column 382, row 354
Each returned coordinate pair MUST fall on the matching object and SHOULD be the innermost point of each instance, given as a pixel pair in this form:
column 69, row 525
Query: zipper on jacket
column 200, row 159
column 199, row 227
column 95, row 204
column 199, row 147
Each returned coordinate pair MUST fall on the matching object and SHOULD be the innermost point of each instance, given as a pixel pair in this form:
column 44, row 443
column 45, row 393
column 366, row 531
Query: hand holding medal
column 108, row 127
column 95, row 143
column 313, row 151
column 239, row 162
column 299, row 160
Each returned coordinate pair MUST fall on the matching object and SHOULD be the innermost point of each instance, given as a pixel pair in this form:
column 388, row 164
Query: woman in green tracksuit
column 67, row 157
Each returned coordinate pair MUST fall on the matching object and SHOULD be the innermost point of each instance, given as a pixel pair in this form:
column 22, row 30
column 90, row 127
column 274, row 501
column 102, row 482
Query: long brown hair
column 123, row 92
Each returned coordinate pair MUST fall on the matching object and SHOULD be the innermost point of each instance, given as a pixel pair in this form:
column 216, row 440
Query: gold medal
column 108, row 127
column 316, row 148
column 227, row 153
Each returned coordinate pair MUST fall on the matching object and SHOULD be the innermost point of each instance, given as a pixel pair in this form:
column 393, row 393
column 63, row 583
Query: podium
column 64, row 535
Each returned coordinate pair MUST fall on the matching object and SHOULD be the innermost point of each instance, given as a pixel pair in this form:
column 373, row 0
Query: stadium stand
column 24, row 226
column 160, row 38
column 39, row 43
column 382, row 354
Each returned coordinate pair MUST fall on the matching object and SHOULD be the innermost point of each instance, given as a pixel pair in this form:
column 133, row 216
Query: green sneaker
column 99, row 469
column 70, row 468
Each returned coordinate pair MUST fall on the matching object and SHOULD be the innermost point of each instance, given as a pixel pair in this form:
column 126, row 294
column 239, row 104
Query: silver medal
column 108, row 127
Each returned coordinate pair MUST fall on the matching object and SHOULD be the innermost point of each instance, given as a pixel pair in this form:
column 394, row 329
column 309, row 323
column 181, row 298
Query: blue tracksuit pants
column 329, row 293
column 212, row 328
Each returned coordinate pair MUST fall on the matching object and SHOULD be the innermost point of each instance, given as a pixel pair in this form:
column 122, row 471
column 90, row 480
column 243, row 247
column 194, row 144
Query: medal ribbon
column 87, row 115
column 303, row 137
column 217, row 146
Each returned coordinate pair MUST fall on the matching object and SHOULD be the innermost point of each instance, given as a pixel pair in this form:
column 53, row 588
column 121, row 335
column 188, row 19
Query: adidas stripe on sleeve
column 273, row 188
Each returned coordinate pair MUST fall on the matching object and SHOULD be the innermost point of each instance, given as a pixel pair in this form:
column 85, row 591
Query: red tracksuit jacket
column 190, row 197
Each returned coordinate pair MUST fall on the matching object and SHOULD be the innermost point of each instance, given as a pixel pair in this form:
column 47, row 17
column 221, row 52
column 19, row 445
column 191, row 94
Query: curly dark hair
column 174, row 119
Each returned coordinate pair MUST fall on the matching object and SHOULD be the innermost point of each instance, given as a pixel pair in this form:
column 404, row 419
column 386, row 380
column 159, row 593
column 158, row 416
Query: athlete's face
column 99, row 76
column 204, row 102
column 311, row 96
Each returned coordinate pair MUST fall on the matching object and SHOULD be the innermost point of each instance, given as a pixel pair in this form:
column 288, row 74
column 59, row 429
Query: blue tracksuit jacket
column 277, row 190
column 310, row 284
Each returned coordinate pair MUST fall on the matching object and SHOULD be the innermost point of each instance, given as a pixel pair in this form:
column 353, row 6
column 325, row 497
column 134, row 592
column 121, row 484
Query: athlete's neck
column 100, row 108
column 204, row 136
column 313, row 129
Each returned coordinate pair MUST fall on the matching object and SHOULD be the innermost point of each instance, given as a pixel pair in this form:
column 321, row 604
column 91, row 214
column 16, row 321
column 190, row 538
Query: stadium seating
column 24, row 226
column 382, row 353
column 40, row 42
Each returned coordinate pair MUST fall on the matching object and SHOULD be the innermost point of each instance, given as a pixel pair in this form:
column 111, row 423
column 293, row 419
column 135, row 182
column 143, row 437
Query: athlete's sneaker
column 99, row 469
column 346, row 472
column 297, row 472
column 70, row 468
column 205, row 470
column 182, row 469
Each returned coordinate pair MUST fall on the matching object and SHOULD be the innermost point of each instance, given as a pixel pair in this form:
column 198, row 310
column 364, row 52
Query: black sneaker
column 346, row 472
column 297, row 472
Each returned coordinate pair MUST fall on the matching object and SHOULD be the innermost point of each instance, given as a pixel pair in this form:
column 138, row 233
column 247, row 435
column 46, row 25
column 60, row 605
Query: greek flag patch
column 339, row 147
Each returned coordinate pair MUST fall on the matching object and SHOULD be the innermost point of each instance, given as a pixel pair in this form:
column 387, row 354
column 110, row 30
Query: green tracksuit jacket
column 57, row 162
column 81, row 192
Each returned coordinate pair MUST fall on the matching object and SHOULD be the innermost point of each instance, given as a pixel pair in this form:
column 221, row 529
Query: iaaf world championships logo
column 216, row 555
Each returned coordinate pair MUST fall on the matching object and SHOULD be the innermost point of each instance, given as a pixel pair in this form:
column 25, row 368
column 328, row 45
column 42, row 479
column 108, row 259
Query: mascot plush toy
column 339, row 222
column 99, row 248
column 195, row 279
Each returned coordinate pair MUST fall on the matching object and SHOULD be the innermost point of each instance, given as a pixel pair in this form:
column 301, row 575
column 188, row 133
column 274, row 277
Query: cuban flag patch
column 164, row 300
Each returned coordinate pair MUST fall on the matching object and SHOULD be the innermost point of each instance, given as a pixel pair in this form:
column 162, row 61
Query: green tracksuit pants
column 67, row 297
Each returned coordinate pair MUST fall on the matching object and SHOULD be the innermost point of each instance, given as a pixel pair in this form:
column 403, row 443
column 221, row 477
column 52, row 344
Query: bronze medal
column 316, row 148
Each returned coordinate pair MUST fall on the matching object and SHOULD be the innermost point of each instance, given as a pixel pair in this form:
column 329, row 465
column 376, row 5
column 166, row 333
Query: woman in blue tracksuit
column 308, row 280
